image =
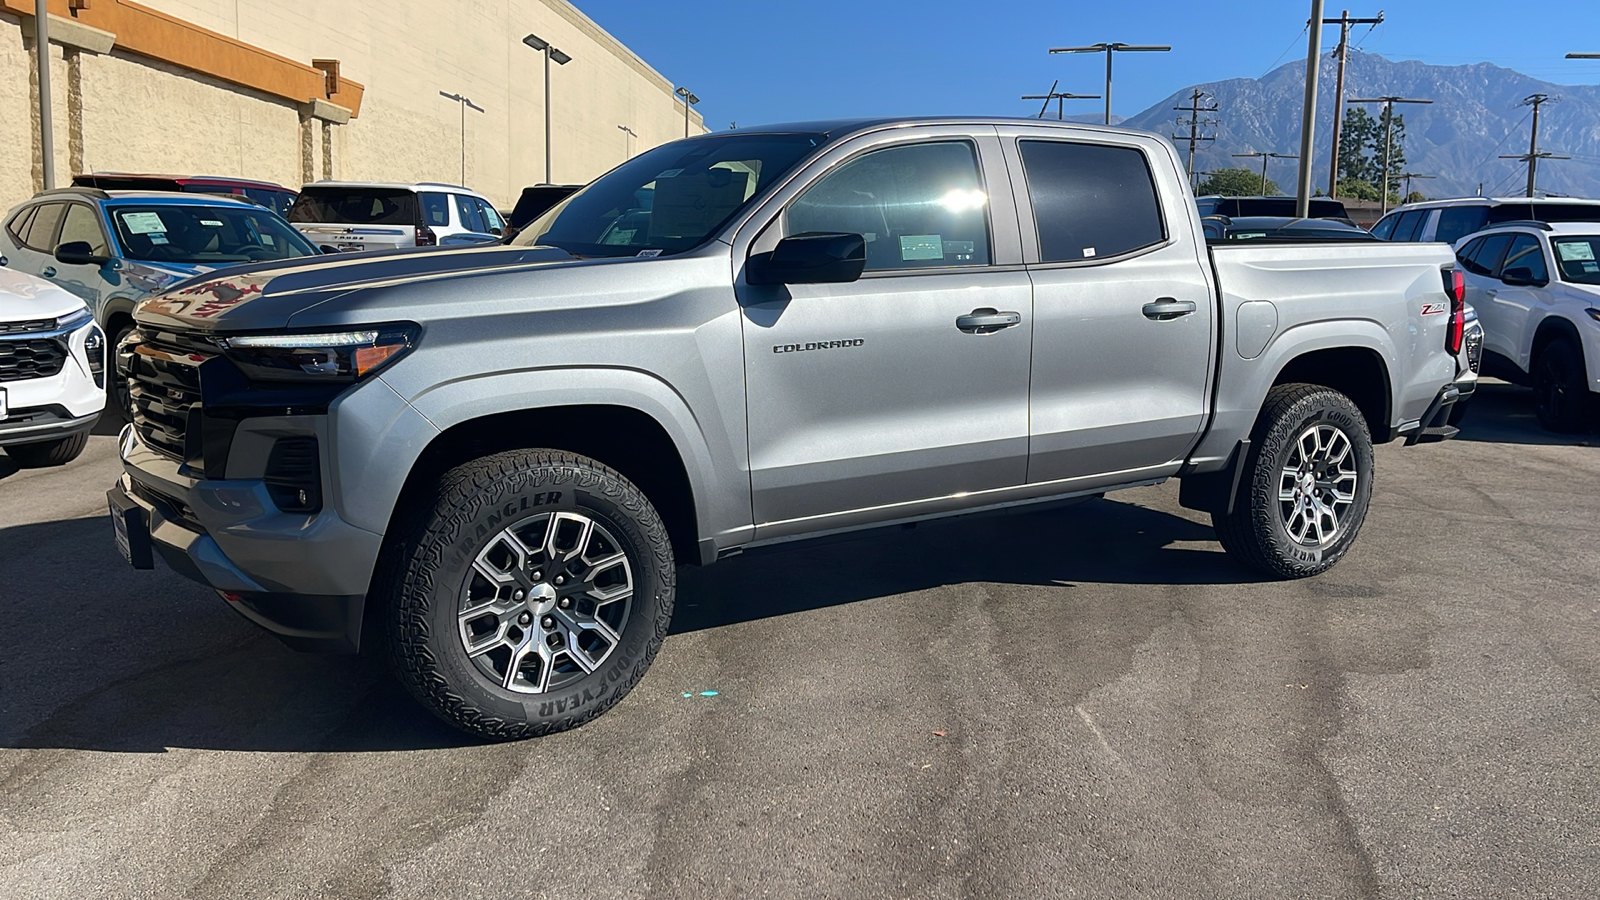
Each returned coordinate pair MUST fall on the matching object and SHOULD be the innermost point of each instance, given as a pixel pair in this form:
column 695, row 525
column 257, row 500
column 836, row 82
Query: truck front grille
column 164, row 382
column 21, row 359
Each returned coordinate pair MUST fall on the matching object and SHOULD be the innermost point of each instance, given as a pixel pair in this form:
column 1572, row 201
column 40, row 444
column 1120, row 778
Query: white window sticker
column 212, row 222
column 143, row 222
column 670, row 173
column 158, row 239
column 269, row 240
column 1591, row 268
column 648, row 254
column 921, row 246
column 1088, row 251
column 1575, row 251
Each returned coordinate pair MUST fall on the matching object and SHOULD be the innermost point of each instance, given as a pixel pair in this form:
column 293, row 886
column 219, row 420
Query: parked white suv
column 1449, row 221
column 52, row 371
column 351, row 216
column 1536, row 286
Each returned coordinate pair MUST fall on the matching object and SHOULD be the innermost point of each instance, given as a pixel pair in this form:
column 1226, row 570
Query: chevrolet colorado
column 496, row 457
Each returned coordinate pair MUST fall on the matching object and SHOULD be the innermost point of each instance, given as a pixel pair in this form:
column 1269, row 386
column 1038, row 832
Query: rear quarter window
column 1090, row 201
column 355, row 206
column 1456, row 222
column 1385, row 227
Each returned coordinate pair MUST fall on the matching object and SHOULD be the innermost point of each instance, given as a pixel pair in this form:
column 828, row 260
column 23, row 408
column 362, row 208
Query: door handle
column 987, row 320
column 49, row 271
column 1168, row 308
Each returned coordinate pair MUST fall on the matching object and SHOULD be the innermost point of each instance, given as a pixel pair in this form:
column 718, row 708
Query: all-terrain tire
column 448, row 537
column 1561, row 389
column 49, row 453
column 1257, row 532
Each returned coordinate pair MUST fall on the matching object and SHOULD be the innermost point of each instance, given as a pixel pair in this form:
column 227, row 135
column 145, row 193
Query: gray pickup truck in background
column 492, row 460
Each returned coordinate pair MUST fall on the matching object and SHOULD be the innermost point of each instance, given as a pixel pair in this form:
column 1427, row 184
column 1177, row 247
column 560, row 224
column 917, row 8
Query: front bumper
column 303, row 577
column 47, row 423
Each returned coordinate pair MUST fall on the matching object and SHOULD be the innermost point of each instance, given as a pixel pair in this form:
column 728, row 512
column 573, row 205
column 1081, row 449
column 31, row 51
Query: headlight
column 94, row 350
column 324, row 356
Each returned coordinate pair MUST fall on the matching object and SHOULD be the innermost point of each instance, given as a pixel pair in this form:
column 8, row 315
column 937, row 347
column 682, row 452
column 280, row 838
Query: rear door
column 880, row 399
column 35, row 240
column 1123, row 313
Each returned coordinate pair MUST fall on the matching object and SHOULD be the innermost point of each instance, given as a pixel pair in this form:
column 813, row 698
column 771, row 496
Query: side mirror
column 1521, row 276
column 79, row 253
column 816, row 257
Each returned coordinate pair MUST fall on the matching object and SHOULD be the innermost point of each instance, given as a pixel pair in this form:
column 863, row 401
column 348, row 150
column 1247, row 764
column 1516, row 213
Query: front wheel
column 536, row 588
column 1307, row 482
column 1561, row 388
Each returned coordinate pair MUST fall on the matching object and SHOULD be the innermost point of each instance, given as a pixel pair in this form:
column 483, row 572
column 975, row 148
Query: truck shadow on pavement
column 1502, row 413
column 96, row 656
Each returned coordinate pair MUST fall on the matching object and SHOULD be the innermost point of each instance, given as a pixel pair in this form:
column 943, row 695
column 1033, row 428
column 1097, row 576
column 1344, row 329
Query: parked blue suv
column 114, row 248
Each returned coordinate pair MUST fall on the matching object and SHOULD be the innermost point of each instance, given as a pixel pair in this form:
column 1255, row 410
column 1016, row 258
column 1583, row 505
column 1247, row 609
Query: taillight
column 426, row 237
column 1455, row 284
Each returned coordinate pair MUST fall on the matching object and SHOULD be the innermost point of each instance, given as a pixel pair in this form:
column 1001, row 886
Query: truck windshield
column 668, row 199
column 205, row 234
column 1578, row 259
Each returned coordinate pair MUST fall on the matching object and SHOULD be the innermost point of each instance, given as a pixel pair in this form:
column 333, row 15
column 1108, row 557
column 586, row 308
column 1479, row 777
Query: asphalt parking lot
column 1088, row 702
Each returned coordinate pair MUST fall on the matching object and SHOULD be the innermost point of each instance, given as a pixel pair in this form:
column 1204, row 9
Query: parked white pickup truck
column 745, row 338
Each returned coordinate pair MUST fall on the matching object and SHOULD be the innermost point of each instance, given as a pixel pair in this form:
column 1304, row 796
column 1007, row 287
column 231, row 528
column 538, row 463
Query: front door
column 907, row 391
column 82, row 223
column 1124, row 325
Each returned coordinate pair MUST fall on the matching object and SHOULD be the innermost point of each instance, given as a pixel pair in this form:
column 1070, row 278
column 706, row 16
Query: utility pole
column 1408, row 176
column 1194, row 109
column 1308, row 115
column 1343, row 53
column 1264, row 157
column 1533, row 155
column 1109, row 50
column 1388, row 140
column 1059, row 97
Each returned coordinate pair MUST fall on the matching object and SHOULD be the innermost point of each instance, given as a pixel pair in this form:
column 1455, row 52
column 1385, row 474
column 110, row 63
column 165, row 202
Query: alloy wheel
column 1317, row 486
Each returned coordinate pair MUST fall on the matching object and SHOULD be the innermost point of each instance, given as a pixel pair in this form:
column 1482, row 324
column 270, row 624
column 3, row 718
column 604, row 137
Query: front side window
column 1090, row 201
column 670, row 198
column 1487, row 260
column 81, row 224
column 1409, row 225
column 207, row 235
column 491, row 216
column 918, row 206
column 1578, row 259
column 1456, row 222
column 1525, row 253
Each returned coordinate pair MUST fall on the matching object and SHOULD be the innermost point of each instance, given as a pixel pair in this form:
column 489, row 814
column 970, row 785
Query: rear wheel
column 49, row 453
column 1561, row 388
column 537, row 587
column 1307, row 482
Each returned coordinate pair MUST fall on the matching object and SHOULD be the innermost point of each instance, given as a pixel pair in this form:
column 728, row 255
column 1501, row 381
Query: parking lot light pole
column 41, row 49
column 627, row 141
column 1388, row 141
column 689, row 99
column 1108, row 50
column 561, row 59
column 464, row 104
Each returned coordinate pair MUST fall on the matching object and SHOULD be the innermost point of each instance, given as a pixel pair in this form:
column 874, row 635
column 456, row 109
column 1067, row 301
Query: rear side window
column 1090, row 201
column 18, row 226
column 1385, row 227
column 467, row 209
column 42, row 230
column 435, row 209
column 1456, row 222
column 1486, row 261
column 355, row 206
column 1464, row 256
column 1410, row 223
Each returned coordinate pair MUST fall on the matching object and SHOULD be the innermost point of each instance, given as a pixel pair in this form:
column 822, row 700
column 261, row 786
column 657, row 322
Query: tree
column 1397, row 149
column 1355, row 148
column 1357, row 189
column 1237, row 183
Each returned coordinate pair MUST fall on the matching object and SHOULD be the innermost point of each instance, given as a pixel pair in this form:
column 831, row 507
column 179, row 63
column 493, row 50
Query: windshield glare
column 208, row 235
column 668, row 199
column 1578, row 259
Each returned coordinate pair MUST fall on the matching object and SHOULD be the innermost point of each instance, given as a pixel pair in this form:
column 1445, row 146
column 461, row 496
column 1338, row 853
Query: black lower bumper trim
column 1435, row 423
column 310, row 624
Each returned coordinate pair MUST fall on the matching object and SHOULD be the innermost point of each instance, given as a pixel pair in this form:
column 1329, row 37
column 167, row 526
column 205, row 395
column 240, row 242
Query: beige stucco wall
column 139, row 114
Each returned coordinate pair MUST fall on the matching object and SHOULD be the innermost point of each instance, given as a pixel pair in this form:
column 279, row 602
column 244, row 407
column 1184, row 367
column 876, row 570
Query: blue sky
column 759, row 61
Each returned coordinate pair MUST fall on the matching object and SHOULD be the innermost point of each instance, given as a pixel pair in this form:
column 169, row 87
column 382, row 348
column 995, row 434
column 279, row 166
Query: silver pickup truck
column 492, row 460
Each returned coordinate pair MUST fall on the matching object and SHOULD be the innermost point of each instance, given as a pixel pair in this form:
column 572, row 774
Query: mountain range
column 1476, row 115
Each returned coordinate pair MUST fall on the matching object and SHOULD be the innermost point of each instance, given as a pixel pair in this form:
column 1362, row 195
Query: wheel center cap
column 541, row 599
column 1308, row 483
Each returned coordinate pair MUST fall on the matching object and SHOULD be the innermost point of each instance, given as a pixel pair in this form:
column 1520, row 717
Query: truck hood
column 26, row 298
column 265, row 297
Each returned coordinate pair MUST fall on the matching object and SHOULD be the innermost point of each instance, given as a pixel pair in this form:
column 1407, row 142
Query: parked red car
column 275, row 197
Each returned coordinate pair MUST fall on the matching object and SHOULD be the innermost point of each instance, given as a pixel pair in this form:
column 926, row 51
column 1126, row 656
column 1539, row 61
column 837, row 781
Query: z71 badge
column 1433, row 309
